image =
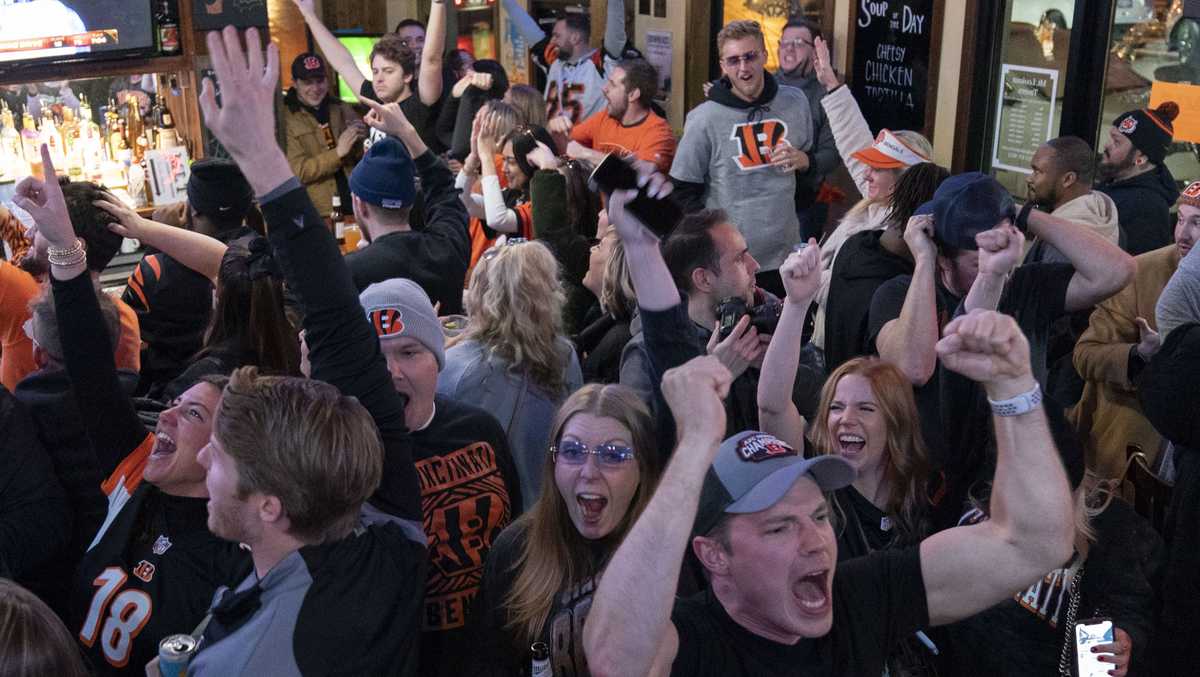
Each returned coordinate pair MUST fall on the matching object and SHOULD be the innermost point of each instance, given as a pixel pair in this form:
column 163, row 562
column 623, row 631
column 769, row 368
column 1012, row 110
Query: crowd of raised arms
column 539, row 422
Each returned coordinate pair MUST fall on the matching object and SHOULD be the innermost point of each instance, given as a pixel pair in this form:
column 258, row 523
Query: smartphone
column 659, row 214
column 1089, row 633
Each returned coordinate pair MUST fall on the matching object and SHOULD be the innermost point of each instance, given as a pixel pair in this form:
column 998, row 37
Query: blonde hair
column 33, row 641
column 907, row 460
column 737, row 30
column 508, row 118
column 617, row 297
column 555, row 556
column 915, row 141
column 305, row 443
column 515, row 304
column 529, row 103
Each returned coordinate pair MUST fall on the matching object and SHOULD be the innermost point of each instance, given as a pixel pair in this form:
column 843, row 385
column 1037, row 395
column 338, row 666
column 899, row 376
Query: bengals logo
column 761, row 447
column 387, row 322
column 755, row 141
column 1128, row 125
column 1193, row 190
column 144, row 570
column 312, row 63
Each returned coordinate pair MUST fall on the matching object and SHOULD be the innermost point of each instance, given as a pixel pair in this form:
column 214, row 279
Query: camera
column 764, row 317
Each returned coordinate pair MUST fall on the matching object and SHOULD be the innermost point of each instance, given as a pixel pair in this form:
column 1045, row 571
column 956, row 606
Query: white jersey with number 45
column 576, row 89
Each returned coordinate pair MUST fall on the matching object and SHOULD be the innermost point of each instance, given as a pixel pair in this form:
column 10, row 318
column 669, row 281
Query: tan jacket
column 310, row 156
column 1108, row 415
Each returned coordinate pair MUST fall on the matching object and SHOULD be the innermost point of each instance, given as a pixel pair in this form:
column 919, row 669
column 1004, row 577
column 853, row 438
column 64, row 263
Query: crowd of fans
column 524, row 428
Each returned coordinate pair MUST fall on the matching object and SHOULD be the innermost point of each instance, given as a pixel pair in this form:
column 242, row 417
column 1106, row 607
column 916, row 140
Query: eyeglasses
column 573, row 452
column 749, row 58
column 495, row 249
column 797, row 43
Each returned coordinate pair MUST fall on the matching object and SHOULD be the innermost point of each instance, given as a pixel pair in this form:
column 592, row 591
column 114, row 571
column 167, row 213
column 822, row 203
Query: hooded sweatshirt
column 862, row 268
column 1144, row 208
column 1095, row 210
column 726, row 146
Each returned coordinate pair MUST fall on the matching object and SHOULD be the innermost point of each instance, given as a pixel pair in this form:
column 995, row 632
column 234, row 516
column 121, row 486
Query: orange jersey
column 651, row 139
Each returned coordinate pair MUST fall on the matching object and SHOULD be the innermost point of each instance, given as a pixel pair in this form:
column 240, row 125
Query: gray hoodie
column 725, row 146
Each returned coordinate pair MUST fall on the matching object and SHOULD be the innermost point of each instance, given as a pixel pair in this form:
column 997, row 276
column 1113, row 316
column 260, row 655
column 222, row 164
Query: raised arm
column 525, row 24
column 1101, row 268
column 1000, row 251
column 197, row 251
column 339, row 57
column 429, row 77
column 850, row 130
column 108, row 415
column 343, row 348
column 614, row 29
column 777, row 413
column 1031, row 530
column 910, row 340
column 629, row 627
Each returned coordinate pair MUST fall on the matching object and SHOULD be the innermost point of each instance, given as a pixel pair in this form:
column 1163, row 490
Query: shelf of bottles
column 111, row 152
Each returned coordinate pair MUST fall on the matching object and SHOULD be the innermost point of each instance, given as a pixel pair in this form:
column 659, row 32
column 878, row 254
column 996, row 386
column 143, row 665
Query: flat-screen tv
column 50, row 31
column 360, row 47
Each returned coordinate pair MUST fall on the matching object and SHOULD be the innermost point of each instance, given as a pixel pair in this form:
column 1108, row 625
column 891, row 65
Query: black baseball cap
column 965, row 205
column 308, row 66
column 753, row 470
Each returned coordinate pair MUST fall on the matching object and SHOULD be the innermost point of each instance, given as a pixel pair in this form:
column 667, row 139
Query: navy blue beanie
column 384, row 177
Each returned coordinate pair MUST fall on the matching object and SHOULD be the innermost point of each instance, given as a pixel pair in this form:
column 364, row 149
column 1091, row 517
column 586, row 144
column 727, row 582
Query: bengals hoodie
column 726, row 149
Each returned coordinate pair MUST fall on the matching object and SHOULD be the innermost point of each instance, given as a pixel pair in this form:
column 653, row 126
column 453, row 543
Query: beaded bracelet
column 68, row 256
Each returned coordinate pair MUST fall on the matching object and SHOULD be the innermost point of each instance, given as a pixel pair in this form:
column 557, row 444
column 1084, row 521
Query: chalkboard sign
column 891, row 59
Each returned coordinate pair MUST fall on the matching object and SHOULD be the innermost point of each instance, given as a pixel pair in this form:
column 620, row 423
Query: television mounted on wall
column 39, row 32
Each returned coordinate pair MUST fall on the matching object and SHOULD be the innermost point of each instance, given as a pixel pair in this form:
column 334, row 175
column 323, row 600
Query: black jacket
column 860, row 268
column 600, row 344
column 570, row 242
column 35, row 518
column 1144, row 209
column 436, row 256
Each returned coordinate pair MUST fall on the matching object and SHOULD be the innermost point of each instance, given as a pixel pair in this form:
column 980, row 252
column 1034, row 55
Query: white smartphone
column 1089, row 633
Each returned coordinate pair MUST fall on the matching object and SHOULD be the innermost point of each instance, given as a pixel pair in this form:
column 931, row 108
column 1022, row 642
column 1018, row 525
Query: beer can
column 174, row 654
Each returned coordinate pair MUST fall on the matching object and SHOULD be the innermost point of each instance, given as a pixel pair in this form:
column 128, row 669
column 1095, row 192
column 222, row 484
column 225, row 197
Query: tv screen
column 37, row 31
column 360, row 47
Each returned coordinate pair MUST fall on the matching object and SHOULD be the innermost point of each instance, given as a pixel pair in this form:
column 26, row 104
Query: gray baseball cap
column 753, row 470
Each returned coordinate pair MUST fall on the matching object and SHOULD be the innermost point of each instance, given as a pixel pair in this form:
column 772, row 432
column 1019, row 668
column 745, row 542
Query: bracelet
column 68, row 256
column 1021, row 404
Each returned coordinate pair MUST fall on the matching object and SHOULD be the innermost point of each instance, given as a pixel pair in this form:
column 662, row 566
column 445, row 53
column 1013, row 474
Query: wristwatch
column 1021, row 404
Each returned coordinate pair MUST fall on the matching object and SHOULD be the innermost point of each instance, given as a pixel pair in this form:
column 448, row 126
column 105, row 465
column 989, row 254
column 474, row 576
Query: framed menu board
column 894, row 47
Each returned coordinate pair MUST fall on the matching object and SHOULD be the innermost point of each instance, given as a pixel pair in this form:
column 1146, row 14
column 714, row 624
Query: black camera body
column 764, row 317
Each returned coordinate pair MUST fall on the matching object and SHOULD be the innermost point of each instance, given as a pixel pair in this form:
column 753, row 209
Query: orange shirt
column 651, row 139
column 17, row 290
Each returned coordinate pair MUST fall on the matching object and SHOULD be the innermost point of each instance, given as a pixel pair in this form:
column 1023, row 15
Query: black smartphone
column 659, row 214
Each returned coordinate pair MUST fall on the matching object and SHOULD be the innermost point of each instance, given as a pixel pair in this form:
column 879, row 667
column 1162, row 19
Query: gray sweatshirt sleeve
column 1179, row 302
column 614, row 29
column 525, row 24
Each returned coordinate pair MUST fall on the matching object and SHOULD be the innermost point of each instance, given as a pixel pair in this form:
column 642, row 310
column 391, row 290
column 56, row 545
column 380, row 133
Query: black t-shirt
column 469, row 494
column 497, row 650
column 421, row 116
column 886, row 305
column 865, row 529
column 877, row 601
column 955, row 416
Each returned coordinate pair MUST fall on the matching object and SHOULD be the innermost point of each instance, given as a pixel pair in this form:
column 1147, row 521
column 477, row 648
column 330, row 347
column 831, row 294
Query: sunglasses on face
column 573, row 452
column 508, row 242
column 749, row 58
column 795, row 44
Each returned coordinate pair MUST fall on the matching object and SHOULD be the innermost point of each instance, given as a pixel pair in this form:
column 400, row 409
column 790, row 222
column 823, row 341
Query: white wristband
column 1021, row 404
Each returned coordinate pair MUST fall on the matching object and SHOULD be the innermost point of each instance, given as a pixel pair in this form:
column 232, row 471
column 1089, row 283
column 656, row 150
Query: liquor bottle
column 168, row 136
column 168, row 28
column 12, row 155
column 539, row 665
column 49, row 135
column 69, row 132
column 135, row 128
column 91, row 142
column 338, row 221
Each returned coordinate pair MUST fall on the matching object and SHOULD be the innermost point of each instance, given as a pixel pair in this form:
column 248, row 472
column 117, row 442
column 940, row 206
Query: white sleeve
column 498, row 216
column 851, row 133
column 614, row 29
column 474, row 203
